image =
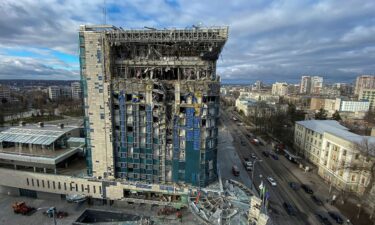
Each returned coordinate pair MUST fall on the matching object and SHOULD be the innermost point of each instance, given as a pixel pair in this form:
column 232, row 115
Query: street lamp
column 252, row 173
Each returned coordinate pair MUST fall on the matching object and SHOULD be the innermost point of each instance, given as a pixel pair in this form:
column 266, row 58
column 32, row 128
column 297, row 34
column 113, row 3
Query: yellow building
column 332, row 148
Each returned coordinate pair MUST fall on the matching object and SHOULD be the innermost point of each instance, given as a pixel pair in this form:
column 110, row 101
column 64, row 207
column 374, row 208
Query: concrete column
column 66, row 164
column 55, row 171
column 45, row 170
column 34, row 169
column 15, row 166
column 1, row 145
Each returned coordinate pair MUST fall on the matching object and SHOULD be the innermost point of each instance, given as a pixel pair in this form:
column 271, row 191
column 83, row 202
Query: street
column 282, row 170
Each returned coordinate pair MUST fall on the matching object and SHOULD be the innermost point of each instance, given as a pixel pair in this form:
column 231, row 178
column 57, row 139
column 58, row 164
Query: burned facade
column 151, row 103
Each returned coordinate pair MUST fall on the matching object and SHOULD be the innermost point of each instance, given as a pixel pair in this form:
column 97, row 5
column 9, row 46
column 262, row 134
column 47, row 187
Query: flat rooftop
column 34, row 134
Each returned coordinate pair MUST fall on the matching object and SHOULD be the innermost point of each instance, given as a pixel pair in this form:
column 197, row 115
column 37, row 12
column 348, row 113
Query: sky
column 268, row 40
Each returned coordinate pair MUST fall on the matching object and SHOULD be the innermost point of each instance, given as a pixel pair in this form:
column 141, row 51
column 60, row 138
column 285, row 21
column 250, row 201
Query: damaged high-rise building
column 151, row 103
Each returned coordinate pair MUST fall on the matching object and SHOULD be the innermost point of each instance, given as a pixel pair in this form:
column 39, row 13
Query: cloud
column 269, row 40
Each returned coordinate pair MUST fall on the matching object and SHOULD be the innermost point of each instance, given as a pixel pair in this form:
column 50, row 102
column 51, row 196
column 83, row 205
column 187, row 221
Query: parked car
column 289, row 209
column 307, row 189
column 272, row 181
column 275, row 157
column 248, row 165
column 316, row 200
column 295, row 186
column 322, row 219
column 265, row 154
column 253, row 156
column 254, row 141
column 235, row 171
column 336, row 217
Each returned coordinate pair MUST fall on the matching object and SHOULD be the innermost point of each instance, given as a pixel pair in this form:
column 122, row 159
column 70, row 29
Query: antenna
column 104, row 12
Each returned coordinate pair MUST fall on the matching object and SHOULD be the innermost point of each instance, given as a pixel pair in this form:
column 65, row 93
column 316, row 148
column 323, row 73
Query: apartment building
column 331, row 147
column 368, row 95
column 311, row 84
column 343, row 105
column 364, row 82
column 280, row 89
column 76, row 90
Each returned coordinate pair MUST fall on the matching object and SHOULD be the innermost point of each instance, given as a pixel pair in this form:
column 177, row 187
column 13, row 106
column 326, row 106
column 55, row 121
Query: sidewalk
column 321, row 190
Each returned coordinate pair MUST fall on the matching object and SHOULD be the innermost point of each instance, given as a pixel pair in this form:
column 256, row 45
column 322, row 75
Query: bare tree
column 366, row 148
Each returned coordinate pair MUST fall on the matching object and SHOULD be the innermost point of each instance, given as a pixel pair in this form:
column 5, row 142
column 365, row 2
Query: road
column 281, row 170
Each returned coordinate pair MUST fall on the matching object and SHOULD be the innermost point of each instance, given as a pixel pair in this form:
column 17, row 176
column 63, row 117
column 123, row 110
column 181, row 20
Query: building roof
column 335, row 128
column 33, row 134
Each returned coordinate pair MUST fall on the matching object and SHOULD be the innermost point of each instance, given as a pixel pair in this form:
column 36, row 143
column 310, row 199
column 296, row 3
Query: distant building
column 316, row 85
column 369, row 95
column 311, row 84
column 351, row 106
column 280, row 89
column 54, row 92
column 317, row 103
column 59, row 92
column 258, row 86
column 330, row 146
column 364, row 82
column 4, row 94
column 260, row 96
column 76, row 90
column 305, row 85
column 244, row 105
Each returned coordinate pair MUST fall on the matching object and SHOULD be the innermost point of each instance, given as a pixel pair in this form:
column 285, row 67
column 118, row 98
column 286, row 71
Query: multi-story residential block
column 76, row 90
column 317, row 103
column 311, row 84
column 364, row 82
column 4, row 94
column 368, row 95
column 54, row 92
column 333, row 149
column 152, row 103
column 305, row 85
column 280, row 89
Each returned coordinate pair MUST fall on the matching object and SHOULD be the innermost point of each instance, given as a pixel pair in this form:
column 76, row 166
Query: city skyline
column 269, row 41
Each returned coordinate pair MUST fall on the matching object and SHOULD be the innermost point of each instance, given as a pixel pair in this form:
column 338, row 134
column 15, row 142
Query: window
column 27, row 181
column 82, row 188
column 54, row 186
column 100, row 189
column 42, row 183
column 48, row 184
column 94, row 189
column 64, row 186
column 356, row 156
column 344, row 153
column 59, row 185
column 353, row 177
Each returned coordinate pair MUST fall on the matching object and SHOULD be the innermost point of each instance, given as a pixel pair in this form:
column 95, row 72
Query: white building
column 76, row 90
column 280, row 89
column 351, row 106
column 331, row 147
column 244, row 105
column 54, row 92
column 260, row 96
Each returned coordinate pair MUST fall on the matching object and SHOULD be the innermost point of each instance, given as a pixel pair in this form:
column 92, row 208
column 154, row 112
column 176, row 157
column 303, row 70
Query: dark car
column 295, row 186
column 336, row 217
column 265, row 154
column 316, row 200
column 275, row 157
column 322, row 219
column 307, row 189
column 289, row 209
column 261, row 143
